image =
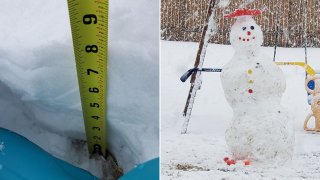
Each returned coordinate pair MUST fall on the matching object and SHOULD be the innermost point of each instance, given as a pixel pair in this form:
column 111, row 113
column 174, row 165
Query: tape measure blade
column 89, row 26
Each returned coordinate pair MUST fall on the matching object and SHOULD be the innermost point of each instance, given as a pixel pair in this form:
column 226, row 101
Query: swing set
column 312, row 82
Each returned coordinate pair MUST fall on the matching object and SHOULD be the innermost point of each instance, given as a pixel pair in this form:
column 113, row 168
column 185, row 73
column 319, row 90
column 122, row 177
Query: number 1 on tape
column 89, row 25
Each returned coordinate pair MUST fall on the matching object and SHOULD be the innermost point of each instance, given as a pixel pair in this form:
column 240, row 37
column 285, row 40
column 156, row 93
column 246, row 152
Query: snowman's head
column 245, row 33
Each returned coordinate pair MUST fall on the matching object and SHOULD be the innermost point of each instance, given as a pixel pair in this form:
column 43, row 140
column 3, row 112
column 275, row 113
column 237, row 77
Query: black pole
column 305, row 32
column 277, row 31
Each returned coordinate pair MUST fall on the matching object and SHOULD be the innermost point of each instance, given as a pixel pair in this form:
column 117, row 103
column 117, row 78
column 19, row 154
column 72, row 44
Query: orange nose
column 249, row 33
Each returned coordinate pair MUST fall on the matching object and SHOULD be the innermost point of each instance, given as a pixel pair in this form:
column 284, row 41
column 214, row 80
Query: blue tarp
column 21, row 159
column 145, row 171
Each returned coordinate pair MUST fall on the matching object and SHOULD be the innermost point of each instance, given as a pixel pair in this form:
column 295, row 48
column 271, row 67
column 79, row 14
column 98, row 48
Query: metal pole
column 305, row 32
column 277, row 31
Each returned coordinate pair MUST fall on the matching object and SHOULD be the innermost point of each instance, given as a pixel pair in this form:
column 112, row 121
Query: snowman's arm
column 187, row 74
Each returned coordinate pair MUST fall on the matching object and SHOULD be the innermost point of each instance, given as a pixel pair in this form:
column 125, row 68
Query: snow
column 223, row 3
column 39, row 91
column 199, row 153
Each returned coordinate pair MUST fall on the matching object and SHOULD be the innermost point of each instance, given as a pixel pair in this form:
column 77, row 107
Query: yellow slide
column 308, row 68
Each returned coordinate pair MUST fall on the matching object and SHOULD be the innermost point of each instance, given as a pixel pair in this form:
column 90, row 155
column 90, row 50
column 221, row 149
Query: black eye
column 244, row 28
column 252, row 27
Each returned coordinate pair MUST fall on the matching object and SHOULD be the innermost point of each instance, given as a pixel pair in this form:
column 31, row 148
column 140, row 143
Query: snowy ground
column 199, row 154
column 39, row 95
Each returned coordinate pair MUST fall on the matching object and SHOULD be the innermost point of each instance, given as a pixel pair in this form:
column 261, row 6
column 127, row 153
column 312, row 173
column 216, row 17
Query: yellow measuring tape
column 89, row 25
column 307, row 68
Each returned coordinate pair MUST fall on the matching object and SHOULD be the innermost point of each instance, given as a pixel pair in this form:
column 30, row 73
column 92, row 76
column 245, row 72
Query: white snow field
column 199, row 153
column 39, row 96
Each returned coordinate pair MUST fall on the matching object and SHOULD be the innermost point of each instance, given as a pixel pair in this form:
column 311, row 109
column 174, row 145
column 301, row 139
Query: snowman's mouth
column 246, row 39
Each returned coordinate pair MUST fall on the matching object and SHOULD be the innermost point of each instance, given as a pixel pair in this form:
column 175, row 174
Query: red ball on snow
column 229, row 162
column 225, row 159
column 246, row 162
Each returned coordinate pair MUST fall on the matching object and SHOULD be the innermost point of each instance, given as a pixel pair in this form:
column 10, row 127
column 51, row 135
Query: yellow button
column 249, row 71
column 250, row 81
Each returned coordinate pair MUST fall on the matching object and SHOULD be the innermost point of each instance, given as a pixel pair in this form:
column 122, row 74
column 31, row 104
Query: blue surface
column 310, row 86
column 21, row 159
column 145, row 171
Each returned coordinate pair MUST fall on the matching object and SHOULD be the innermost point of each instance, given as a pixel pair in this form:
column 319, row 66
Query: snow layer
column 199, row 153
column 39, row 92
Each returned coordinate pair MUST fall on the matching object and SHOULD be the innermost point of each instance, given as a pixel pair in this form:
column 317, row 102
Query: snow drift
column 39, row 91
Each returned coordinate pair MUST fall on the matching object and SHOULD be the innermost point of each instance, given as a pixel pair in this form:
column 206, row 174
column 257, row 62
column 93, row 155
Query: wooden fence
column 182, row 20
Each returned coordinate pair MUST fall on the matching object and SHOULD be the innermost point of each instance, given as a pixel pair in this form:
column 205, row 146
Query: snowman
column 261, row 128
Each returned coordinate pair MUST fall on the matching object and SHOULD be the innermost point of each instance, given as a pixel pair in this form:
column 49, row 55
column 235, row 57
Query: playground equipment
column 311, row 85
column 309, row 70
column 315, row 102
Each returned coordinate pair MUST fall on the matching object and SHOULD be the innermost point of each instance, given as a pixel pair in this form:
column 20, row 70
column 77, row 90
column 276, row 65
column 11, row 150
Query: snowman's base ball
column 261, row 136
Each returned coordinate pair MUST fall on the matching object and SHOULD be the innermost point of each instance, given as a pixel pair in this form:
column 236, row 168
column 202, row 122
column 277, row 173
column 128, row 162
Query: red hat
column 243, row 12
